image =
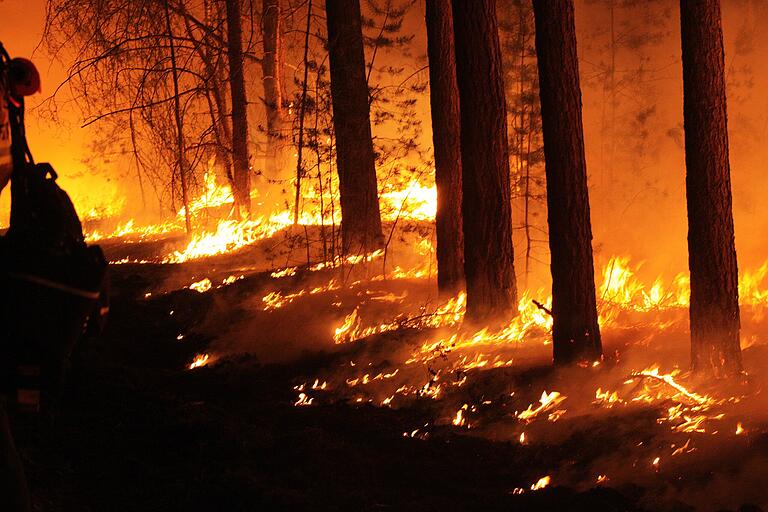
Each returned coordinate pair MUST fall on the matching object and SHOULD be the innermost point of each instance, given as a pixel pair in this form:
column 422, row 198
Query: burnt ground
column 138, row 431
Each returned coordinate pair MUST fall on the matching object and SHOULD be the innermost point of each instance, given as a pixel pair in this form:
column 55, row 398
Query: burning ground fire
column 620, row 293
column 397, row 351
column 411, row 201
column 443, row 363
column 450, row 359
column 460, row 351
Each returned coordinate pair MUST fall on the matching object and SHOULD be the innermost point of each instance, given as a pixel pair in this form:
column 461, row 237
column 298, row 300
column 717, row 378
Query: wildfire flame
column 459, row 420
column 199, row 361
column 410, row 200
column 546, row 402
column 620, row 291
column 541, row 483
column 201, row 286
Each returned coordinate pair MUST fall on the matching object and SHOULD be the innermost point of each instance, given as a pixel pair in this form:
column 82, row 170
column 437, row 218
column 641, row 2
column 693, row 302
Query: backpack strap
column 20, row 152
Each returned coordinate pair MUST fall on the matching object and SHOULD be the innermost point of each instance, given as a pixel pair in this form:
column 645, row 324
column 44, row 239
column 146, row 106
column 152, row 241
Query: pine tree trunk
column 240, row 158
column 300, row 171
column 486, row 205
column 714, row 311
column 576, row 335
column 355, row 159
column 446, row 126
column 221, row 127
column 272, row 70
column 222, row 134
column 181, row 160
column 215, row 92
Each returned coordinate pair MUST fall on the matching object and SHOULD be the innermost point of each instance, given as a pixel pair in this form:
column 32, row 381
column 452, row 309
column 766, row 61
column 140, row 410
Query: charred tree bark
column 446, row 128
column 486, row 204
column 240, row 159
column 272, row 70
column 576, row 335
column 355, row 159
column 714, row 311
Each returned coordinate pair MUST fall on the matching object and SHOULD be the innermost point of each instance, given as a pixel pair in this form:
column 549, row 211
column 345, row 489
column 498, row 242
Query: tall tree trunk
column 355, row 159
column 272, row 71
column 486, row 205
column 240, row 159
column 136, row 160
column 302, row 112
column 215, row 96
column 215, row 68
column 221, row 132
column 576, row 335
column 446, row 128
column 181, row 160
column 714, row 311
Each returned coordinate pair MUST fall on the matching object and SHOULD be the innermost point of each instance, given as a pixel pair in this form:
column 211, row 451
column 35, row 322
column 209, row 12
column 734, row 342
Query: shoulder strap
column 20, row 152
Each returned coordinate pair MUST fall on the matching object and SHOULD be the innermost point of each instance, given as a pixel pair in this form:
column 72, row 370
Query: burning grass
column 421, row 358
column 384, row 342
column 408, row 201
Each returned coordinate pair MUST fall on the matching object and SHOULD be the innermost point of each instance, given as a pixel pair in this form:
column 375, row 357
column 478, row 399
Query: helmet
column 23, row 77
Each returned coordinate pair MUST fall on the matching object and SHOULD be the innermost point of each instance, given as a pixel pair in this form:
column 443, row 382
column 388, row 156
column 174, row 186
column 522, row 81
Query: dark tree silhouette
column 576, row 335
column 355, row 159
column 444, row 103
column 240, row 159
column 181, row 160
column 714, row 311
column 272, row 72
column 488, row 254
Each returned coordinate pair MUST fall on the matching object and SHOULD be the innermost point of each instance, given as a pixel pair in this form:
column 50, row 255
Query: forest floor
column 139, row 431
